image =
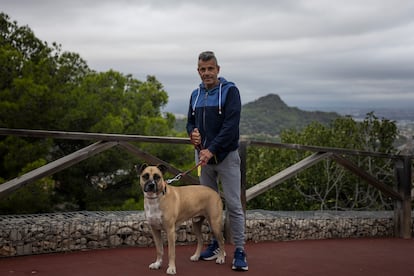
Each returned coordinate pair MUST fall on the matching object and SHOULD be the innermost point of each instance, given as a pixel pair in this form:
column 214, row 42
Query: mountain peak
column 269, row 115
column 268, row 101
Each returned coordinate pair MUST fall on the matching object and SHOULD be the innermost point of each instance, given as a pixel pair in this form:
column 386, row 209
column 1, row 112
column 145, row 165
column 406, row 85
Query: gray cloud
column 310, row 52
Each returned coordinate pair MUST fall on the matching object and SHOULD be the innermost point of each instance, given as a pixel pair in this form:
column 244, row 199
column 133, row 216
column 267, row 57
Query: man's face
column 208, row 71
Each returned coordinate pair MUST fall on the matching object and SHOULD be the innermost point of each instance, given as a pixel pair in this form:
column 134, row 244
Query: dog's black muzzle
column 150, row 186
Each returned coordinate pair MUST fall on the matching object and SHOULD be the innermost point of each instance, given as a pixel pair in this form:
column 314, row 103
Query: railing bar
column 287, row 173
column 54, row 166
column 92, row 136
column 366, row 176
column 329, row 149
column 181, row 140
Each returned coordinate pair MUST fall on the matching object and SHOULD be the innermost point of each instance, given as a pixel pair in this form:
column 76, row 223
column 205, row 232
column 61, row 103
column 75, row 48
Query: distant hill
column 269, row 116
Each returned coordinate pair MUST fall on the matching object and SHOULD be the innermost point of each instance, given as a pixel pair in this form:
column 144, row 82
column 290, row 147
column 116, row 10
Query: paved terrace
column 348, row 257
column 278, row 243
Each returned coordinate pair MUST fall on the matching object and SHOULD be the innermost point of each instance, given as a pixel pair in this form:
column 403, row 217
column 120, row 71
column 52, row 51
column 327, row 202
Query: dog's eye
column 145, row 176
column 157, row 177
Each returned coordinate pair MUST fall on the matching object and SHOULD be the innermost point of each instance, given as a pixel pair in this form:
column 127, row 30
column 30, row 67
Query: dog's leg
column 197, row 224
column 156, row 233
column 171, row 249
column 216, row 225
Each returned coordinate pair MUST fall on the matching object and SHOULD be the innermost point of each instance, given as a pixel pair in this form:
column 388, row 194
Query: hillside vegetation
column 266, row 117
column 269, row 115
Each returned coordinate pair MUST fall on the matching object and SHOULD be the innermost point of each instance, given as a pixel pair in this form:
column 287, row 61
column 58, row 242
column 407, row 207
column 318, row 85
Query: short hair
column 207, row 55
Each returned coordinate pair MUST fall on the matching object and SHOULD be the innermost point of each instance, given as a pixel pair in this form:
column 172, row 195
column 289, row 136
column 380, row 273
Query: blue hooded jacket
column 216, row 113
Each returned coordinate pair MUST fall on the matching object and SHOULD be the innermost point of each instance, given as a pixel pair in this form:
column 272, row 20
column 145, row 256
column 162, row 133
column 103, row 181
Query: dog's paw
column 171, row 270
column 195, row 258
column 156, row 265
column 221, row 259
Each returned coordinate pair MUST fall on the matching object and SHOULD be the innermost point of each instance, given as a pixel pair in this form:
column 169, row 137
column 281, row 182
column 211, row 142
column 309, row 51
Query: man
column 213, row 126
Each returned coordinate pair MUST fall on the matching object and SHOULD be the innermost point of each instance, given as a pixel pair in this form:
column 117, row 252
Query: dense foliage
column 327, row 185
column 42, row 87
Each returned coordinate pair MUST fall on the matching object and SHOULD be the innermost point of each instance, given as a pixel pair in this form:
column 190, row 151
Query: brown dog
column 166, row 207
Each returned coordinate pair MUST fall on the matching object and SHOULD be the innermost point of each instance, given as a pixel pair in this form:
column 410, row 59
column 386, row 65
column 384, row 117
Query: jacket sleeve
column 227, row 138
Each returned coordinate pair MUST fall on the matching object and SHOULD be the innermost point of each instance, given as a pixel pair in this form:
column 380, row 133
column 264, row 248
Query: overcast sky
column 312, row 53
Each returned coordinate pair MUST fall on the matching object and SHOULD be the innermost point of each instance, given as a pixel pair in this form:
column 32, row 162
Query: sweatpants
column 228, row 174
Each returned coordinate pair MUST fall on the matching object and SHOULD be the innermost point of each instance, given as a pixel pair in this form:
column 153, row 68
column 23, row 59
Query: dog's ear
column 141, row 168
column 162, row 168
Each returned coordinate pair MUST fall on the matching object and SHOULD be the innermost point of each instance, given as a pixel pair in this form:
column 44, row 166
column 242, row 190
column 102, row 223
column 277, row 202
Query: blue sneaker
column 239, row 261
column 211, row 253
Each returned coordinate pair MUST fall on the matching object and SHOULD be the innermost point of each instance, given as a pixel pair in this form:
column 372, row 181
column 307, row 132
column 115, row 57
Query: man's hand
column 205, row 155
column 195, row 137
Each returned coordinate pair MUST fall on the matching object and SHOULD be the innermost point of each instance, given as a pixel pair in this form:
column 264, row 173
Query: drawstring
column 196, row 100
column 198, row 95
column 220, row 98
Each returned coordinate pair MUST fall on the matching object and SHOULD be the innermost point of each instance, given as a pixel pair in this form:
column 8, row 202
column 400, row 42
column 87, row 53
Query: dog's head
column 151, row 178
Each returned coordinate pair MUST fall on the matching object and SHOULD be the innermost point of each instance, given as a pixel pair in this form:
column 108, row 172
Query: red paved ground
column 373, row 257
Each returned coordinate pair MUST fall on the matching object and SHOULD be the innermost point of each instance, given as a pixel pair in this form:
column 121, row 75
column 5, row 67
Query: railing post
column 402, row 209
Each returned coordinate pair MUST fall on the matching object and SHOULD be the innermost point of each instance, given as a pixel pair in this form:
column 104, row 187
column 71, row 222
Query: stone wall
column 62, row 232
